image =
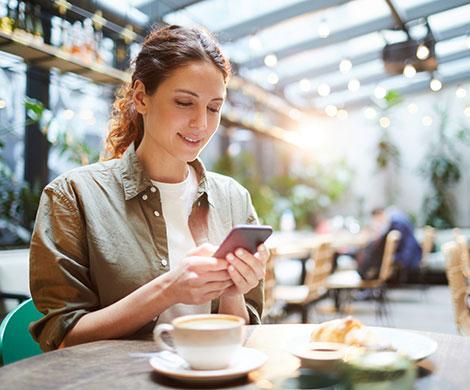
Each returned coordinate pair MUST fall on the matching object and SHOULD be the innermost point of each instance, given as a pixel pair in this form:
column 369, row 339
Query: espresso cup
column 205, row 341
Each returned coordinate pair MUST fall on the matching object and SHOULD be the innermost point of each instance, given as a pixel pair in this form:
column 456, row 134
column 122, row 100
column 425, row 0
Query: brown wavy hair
column 163, row 51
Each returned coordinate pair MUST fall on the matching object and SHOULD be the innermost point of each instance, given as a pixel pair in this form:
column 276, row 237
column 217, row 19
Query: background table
column 107, row 364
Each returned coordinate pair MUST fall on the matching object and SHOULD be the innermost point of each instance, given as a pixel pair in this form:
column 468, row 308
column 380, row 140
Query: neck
column 160, row 165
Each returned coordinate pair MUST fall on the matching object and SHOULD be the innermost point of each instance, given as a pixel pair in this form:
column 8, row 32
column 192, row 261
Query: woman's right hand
column 199, row 278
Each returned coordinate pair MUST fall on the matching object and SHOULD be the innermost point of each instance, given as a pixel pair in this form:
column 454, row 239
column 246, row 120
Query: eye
column 183, row 104
column 214, row 109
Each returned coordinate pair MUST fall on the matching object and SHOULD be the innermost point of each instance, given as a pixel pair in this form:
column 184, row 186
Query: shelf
column 46, row 56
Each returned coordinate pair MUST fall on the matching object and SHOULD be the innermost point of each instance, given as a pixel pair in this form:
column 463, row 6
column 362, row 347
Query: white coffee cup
column 205, row 341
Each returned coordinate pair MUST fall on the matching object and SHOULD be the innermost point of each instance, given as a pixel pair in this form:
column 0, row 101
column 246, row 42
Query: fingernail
column 239, row 252
column 231, row 268
column 230, row 257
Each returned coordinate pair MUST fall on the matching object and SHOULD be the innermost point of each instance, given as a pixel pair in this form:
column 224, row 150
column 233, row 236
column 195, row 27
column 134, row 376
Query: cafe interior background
column 335, row 107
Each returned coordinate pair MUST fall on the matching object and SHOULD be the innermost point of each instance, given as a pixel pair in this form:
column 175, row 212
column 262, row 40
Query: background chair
column 458, row 286
column 317, row 269
column 16, row 342
column 346, row 281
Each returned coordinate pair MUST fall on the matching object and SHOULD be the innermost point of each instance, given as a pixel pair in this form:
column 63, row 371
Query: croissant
column 345, row 330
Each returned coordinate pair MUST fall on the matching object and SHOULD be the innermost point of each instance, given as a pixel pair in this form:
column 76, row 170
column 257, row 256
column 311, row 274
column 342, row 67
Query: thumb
column 205, row 249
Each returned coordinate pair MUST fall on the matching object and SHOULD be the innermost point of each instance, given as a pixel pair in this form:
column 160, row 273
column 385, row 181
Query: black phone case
column 248, row 237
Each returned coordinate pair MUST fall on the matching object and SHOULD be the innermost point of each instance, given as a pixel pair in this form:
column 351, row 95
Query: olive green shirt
column 100, row 234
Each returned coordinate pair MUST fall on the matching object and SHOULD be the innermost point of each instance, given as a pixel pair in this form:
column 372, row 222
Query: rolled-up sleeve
column 60, row 282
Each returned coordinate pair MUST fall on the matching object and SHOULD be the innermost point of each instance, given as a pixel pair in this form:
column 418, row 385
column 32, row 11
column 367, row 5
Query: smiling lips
column 191, row 140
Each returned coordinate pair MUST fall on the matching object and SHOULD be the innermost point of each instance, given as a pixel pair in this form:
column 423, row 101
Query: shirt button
column 164, row 262
column 157, row 214
column 144, row 197
column 153, row 189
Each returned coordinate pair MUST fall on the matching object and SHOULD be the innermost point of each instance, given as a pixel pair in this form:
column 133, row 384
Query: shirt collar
column 135, row 179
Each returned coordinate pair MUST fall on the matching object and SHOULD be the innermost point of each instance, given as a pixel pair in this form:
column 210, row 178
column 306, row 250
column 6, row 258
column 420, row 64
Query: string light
column 435, row 84
column 255, row 43
column 380, row 92
column 3, row 104
column 426, row 120
column 422, row 52
column 409, row 71
column 412, row 108
column 345, row 66
column 273, row 78
column 384, row 122
column 323, row 89
column 461, row 92
column 331, row 110
column 342, row 114
column 305, row 85
column 270, row 60
column 323, row 30
column 370, row 113
column 128, row 34
column 354, row 85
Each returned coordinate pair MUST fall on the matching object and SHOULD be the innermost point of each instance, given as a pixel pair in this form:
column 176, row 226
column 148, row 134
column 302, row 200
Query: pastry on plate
column 344, row 330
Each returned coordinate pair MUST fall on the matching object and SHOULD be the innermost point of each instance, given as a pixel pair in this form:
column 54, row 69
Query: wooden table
column 300, row 244
column 107, row 364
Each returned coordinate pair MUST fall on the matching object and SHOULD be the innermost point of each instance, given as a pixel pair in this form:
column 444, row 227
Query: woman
column 125, row 243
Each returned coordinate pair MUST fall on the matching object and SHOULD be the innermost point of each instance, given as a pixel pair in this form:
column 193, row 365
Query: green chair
column 16, row 342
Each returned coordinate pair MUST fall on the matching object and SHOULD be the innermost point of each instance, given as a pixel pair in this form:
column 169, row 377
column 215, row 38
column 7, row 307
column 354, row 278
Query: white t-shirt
column 177, row 201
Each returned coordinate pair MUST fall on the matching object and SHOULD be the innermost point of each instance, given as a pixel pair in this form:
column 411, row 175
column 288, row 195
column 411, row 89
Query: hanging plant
column 441, row 168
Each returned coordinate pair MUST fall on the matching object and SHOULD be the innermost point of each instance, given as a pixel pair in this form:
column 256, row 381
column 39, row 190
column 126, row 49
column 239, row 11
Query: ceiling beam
column 363, row 58
column 381, row 76
column 157, row 9
column 382, row 23
column 415, row 87
column 269, row 19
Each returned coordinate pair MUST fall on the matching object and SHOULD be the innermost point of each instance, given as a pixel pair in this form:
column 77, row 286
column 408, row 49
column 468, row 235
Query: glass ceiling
column 354, row 30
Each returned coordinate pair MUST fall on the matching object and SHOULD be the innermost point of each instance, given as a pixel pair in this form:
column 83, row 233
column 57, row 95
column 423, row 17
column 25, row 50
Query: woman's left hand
column 246, row 270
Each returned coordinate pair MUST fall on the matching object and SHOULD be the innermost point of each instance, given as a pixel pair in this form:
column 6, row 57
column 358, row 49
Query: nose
column 199, row 120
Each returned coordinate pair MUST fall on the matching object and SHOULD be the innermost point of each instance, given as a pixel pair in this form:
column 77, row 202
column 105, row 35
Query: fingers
column 215, row 276
column 206, row 264
column 249, row 266
column 205, row 249
column 263, row 253
column 238, row 280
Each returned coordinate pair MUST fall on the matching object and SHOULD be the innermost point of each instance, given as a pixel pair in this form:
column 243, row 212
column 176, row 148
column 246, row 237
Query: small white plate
column 245, row 361
column 414, row 345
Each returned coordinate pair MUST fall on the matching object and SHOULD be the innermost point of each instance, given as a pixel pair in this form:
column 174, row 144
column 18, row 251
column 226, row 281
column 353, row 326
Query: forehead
column 200, row 77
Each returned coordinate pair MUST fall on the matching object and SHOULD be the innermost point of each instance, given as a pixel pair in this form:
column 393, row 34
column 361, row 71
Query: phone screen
column 248, row 237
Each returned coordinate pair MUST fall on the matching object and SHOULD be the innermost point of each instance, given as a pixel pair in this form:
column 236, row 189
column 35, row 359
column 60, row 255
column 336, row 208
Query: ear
column 140, row 97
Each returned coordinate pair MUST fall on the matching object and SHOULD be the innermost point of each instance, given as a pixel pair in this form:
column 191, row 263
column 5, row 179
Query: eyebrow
column 194, row 94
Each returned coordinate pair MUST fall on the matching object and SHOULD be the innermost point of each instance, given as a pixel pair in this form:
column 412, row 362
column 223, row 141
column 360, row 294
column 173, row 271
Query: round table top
column 110, row 364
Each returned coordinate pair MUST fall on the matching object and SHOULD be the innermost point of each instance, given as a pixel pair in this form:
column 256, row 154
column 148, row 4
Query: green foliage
column 18, row 199
column 392, row 98
column 388, row 153
column 306, row 193
column 441, row 167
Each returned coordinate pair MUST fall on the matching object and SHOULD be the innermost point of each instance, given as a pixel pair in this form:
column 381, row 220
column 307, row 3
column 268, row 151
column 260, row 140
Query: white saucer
column 171, row 365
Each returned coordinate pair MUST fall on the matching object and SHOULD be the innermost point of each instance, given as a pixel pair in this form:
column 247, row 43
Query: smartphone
column 248, row 237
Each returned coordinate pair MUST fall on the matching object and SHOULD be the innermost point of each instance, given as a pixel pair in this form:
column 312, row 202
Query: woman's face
column 184, row 112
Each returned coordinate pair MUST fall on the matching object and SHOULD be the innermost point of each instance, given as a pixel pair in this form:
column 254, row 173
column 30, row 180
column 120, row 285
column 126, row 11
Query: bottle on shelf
column 28, row 17
column 77, row 38
column 88, row 49
column 38, row 30
column 7, row 19
column 66, row 36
